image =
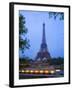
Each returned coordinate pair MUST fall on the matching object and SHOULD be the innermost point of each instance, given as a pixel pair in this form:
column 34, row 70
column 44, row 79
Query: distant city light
column 27, row 71
column 41, row 71
column 22, row 71
column 36, row 71
column 58, row 70
column 31, row 71
column 46, row 71
column 52, row 71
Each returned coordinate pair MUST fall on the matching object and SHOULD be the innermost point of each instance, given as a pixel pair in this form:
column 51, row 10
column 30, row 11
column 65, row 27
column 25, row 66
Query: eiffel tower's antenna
column 43, row 36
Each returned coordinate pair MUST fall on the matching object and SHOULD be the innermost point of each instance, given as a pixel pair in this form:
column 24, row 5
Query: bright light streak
column 58, row 70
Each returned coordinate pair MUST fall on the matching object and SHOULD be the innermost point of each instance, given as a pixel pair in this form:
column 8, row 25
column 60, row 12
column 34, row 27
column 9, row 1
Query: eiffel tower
column 43, row 53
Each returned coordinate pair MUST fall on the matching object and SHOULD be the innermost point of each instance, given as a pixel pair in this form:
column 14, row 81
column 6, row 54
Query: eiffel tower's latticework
column 43, row 53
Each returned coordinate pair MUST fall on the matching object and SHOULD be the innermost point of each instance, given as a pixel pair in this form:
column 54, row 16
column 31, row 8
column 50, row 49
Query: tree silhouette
column 55, row 15
column 23, row 41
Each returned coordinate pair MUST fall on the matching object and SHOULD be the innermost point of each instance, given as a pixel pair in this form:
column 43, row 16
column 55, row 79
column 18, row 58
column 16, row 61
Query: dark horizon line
column 34, row 59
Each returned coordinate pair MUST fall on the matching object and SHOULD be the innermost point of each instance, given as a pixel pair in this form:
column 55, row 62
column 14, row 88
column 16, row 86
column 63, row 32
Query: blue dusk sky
column 54, row 30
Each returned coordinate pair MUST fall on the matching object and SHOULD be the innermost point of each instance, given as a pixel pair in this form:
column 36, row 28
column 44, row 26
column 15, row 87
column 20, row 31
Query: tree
column 23, row 41
column 60, row 15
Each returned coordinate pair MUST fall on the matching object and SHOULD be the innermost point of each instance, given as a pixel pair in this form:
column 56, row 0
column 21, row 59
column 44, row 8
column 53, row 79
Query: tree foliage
column 56, row 15
column 23, row 41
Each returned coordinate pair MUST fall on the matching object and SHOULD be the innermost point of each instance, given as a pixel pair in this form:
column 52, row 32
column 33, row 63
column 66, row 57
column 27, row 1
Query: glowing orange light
column 46, row 71
column 36, row 71
column 41, row 71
